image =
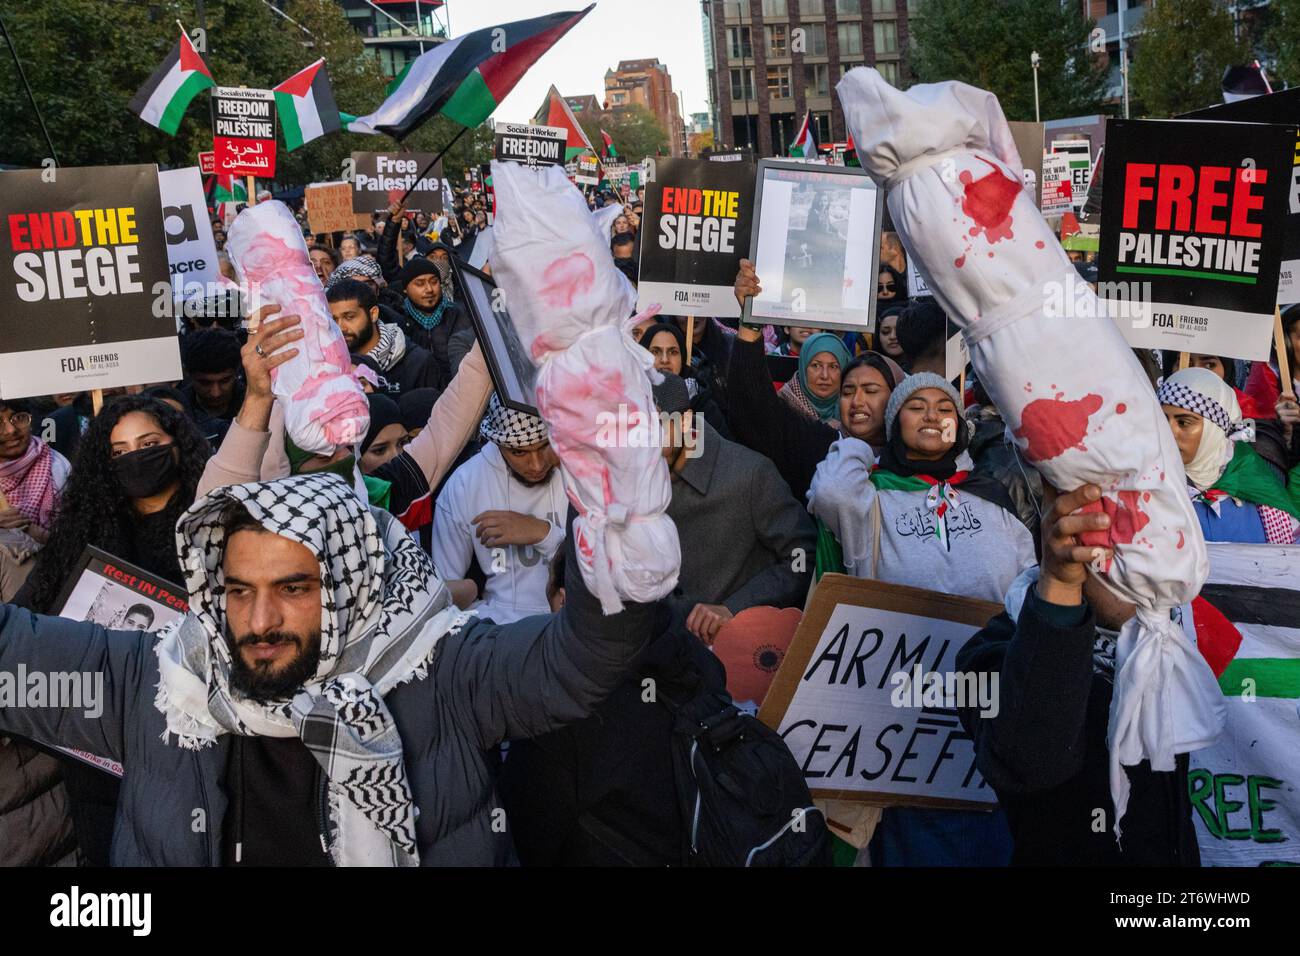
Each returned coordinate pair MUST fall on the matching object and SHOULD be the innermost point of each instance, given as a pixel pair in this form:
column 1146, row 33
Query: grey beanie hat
column 910, row 386
column 671, row 395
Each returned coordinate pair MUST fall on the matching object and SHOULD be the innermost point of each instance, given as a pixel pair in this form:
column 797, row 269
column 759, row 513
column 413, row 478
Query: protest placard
column 1192, row 228
column 1281, row 107
column 1057, row 189
column 695, row 229
column 83, row 261
column 1078, row 155
column 588, row 173
column 191, row 249
column 243, row 131
column 381, row 178
column 866, row 696
column 530, row 145
column 956, row 354
column 816, row 246
column 917, row 287
column 208, row 163
column 513, row 373
column 121, row 597
column 329, row 208
column 1245, row 787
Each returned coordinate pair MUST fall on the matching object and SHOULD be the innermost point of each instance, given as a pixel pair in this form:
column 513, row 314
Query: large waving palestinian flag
column 305, row 103
column 465, row 78
column 1245, row 788
column 559, row 114
column 179, row 78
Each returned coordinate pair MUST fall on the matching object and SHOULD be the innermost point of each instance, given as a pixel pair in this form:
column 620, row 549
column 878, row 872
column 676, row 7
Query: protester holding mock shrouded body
column 1236, row 494
column 795, row 443
column 505, row 508
column 741, row 530
column 323, row 702
column 918, row 515
column 1044, row 748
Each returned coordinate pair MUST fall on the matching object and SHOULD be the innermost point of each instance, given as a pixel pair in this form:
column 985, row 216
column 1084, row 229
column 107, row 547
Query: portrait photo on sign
column 816, row 246
column 119, row 596
column 513, row 372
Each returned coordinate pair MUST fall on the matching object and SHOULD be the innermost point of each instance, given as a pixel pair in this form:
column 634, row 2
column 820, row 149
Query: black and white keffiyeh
column 1174, row 393
column 391, row 347
column 510, row 427
column 360, row 267
column 1201, row 392
column 383, row 611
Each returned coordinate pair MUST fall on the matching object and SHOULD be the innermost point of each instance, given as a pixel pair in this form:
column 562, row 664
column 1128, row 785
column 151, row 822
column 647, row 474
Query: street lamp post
column 1033, row 61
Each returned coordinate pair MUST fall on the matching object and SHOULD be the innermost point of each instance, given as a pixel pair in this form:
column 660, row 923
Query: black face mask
column 144, row 473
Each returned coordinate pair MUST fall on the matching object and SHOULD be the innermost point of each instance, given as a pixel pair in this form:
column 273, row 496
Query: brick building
column 771, row 60
column 647, row 83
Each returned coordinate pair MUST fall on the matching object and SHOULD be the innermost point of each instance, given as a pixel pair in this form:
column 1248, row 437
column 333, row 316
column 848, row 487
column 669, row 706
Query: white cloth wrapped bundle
column 1066, row 382
column 324, row 406
column 570, row 304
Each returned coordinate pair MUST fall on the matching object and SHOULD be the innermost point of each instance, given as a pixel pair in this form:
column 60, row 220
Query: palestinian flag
column 610, row 151
column 1243, row 788
column 466, row 77
column 305, row 103
column 228, row 192
column 179, row 78
column 805, row 143
column 559, row 114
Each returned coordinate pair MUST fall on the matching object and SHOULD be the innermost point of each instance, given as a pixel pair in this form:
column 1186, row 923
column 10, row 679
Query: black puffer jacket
column 35, row 829
column 999, row 459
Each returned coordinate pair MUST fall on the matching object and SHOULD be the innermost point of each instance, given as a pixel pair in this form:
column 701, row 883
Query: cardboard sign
column 208, row 163
column 1078, row 153
column 530, row 145
column 329, row 208
column 1245, row 787
column 588, row 173
column 380, row 179
column 191, row 249
column 1282, row 107
column 1193, row 224
column 866, row 696
column 1057, row 187
column 84, row 281
column 694, row 232
column 243, row 131
column 121, row 597
column 917, row 287
column 815, row 246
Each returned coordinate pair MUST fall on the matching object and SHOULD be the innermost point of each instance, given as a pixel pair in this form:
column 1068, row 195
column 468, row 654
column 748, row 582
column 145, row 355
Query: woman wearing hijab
column 916, row 515
column 814, row 391
column 1237, row 496
column 667, row 343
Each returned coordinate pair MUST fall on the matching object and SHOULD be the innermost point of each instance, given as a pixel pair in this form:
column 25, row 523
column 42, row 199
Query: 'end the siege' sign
column 1192, row 227
column 83, row 259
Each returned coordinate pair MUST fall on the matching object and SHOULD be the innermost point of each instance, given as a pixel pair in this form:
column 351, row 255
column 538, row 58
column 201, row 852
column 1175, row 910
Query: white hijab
column 1202, row 392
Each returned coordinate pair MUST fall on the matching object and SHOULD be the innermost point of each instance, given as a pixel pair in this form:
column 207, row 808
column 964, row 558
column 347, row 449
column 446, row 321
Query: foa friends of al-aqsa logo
column 89, row 364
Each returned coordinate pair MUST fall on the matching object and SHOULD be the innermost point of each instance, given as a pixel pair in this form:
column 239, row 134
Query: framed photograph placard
column 816, row 246
column 513, row 373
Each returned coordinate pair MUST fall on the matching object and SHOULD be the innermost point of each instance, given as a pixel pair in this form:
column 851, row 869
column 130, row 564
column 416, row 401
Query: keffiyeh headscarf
column 383, row 611
column 28, row 482
column 391, row 348
column 359, row 267
column 1203, row 393
column 511, row 427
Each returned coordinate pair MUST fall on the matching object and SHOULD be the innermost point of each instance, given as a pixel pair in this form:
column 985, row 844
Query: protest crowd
column 417, row 610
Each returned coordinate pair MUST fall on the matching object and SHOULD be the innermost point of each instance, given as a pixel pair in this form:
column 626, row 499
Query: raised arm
column 842, row 495
column 454, row 418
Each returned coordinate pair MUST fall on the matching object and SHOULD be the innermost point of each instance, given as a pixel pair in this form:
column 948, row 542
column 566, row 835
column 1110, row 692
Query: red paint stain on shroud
column 565, row 279
column 1052, row 427
column 988, row 201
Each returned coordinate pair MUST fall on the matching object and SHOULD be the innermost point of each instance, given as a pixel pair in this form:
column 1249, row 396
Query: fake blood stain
column 1052, row 426
column 988, row 201
column 565, row 279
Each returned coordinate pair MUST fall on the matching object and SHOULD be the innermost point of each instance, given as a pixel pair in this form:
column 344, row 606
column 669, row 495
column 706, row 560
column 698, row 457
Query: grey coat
column 487, row 683
column 742, row 532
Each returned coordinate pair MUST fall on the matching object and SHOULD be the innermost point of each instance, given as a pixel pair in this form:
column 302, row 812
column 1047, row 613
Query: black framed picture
column 816, row 246
column 513, row 373
column 118, row 595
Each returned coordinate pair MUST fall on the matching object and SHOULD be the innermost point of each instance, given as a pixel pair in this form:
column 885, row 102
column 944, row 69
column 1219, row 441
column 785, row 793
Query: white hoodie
column 516, row 575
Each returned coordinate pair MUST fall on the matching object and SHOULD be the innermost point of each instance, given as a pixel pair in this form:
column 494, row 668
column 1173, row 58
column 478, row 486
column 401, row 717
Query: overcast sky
column 615, row 30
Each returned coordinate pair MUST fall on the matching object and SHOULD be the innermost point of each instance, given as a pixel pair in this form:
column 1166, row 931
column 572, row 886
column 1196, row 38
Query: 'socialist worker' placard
column 695, row 230
column 1192, row 226
column 530, row 145
column 243, row 131
column 83, row 259
column 381, row 178
column 867, row 694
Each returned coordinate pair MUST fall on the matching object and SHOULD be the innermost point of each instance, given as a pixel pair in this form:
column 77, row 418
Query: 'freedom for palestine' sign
column 530, row 145
column 243, row 131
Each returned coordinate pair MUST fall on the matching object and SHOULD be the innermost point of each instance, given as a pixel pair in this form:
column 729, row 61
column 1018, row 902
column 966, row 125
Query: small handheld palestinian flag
column 179, row 78
column 466, row 77
column 610, row 151
column 805, row 144
column 305, row 103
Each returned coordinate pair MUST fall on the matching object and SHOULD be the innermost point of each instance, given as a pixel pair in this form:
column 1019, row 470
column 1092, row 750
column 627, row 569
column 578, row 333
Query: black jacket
column 762, row 420
column 997, row 458
column 449, row 341
column 1045, row 753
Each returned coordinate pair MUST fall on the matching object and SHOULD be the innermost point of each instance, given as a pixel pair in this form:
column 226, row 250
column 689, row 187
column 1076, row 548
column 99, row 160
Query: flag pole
column 433, row 162
column 32, row 99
